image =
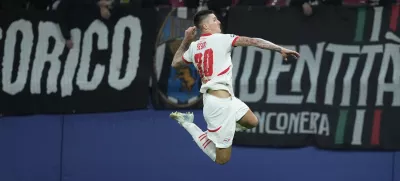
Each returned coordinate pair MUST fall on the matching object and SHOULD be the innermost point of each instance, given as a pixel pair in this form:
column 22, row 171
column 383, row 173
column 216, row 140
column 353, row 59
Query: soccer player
column 222, row 111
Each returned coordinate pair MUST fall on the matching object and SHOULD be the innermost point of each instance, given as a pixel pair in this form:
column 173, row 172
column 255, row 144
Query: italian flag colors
column 358, row 127
column 360, row 114
column 376, row 27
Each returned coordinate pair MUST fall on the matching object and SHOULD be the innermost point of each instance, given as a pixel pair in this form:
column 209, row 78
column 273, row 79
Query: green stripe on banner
column 341, row 127
column 361, row 15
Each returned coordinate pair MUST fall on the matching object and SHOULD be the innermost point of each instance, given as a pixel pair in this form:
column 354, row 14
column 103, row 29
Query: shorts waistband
column 210, row 96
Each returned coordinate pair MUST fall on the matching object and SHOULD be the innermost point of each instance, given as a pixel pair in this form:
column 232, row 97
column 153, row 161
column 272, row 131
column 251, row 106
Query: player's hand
column 286, row 53
column 190, row 33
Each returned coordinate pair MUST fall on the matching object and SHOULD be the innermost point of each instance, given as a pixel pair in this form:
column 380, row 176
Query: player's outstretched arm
column 264, row 44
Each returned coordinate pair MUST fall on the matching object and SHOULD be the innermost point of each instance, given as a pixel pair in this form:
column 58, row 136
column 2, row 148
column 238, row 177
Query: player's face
column 213, row 24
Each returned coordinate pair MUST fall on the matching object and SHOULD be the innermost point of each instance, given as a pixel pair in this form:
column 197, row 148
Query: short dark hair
column 200, row 16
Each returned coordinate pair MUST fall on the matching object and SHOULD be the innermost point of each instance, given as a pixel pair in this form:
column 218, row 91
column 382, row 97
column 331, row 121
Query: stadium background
column 82, row 137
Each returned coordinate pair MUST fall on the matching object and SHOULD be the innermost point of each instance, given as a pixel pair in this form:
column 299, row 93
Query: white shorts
column 221, row 115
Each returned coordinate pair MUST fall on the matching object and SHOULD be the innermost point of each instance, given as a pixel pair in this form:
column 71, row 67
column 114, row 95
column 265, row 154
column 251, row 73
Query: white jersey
column 211, row 55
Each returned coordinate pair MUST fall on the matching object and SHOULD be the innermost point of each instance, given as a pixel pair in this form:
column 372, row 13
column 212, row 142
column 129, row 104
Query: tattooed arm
column 264, row 44
column 257, row 42
column 178, row 61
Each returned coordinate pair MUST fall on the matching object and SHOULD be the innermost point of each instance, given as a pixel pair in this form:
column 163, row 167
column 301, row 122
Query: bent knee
column 223, row 155
column 252, row 121
column 249, row 120
column 223, row 159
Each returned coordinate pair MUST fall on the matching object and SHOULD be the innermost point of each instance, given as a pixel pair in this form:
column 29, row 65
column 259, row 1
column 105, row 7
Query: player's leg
column 249, row 120
column 223, row 155
column 220, row 118
column 235, row 111
column 199, row 136
column 245, row 118
column 223, row 138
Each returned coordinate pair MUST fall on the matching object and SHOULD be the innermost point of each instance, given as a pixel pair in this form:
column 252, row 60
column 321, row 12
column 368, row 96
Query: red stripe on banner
column 376, row 127
column 394, row 17
column 209, row 141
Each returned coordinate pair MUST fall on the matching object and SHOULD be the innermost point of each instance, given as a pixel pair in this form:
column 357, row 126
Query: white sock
column 201, row 139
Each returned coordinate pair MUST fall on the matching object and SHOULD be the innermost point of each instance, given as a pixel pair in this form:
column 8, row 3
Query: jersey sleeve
column 229, row 40
column 186, row 57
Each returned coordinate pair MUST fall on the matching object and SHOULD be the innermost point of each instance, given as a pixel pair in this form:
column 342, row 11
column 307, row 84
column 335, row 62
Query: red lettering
column 201, row 45
column 208, row 62
column 205, row 63
column 197, row 60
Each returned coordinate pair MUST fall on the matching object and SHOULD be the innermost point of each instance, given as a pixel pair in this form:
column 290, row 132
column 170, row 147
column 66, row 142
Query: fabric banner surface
column 174, row 89
column 106, row 70
column 342, row 93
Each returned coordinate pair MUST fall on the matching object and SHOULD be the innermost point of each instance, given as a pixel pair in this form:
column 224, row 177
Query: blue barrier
column 396, row 167
column 30, row 148
column 148, row 146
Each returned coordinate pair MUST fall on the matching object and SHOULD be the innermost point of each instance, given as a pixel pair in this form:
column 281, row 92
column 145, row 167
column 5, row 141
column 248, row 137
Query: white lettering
column 46, row 31
column 236, row 59
column 133, row 24
column 303, row 121
column 249, row 67
column 292, row 123
column 25, row 27
column 98, row 28
column 272, row 96
column 71, row 64
column 392, row 53
column 268, row 125
column 371, row 51
column 338, row 51
column 347, row 81
column 313, row 121
column 282, row 121
column 324, row 126
column 313, row 63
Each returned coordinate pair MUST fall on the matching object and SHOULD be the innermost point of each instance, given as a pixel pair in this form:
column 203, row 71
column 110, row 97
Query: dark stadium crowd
column 64, row 9
column 53, row 4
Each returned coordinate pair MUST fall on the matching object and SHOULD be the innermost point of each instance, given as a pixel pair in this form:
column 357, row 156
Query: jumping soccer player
column 223, row 112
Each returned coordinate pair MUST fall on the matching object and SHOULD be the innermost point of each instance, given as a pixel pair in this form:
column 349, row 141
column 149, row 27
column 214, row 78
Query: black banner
column 107, row 69
column 174, row 89
column 343, row 92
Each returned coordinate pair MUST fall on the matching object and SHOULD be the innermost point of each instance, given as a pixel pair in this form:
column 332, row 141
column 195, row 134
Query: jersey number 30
column 205, row 63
